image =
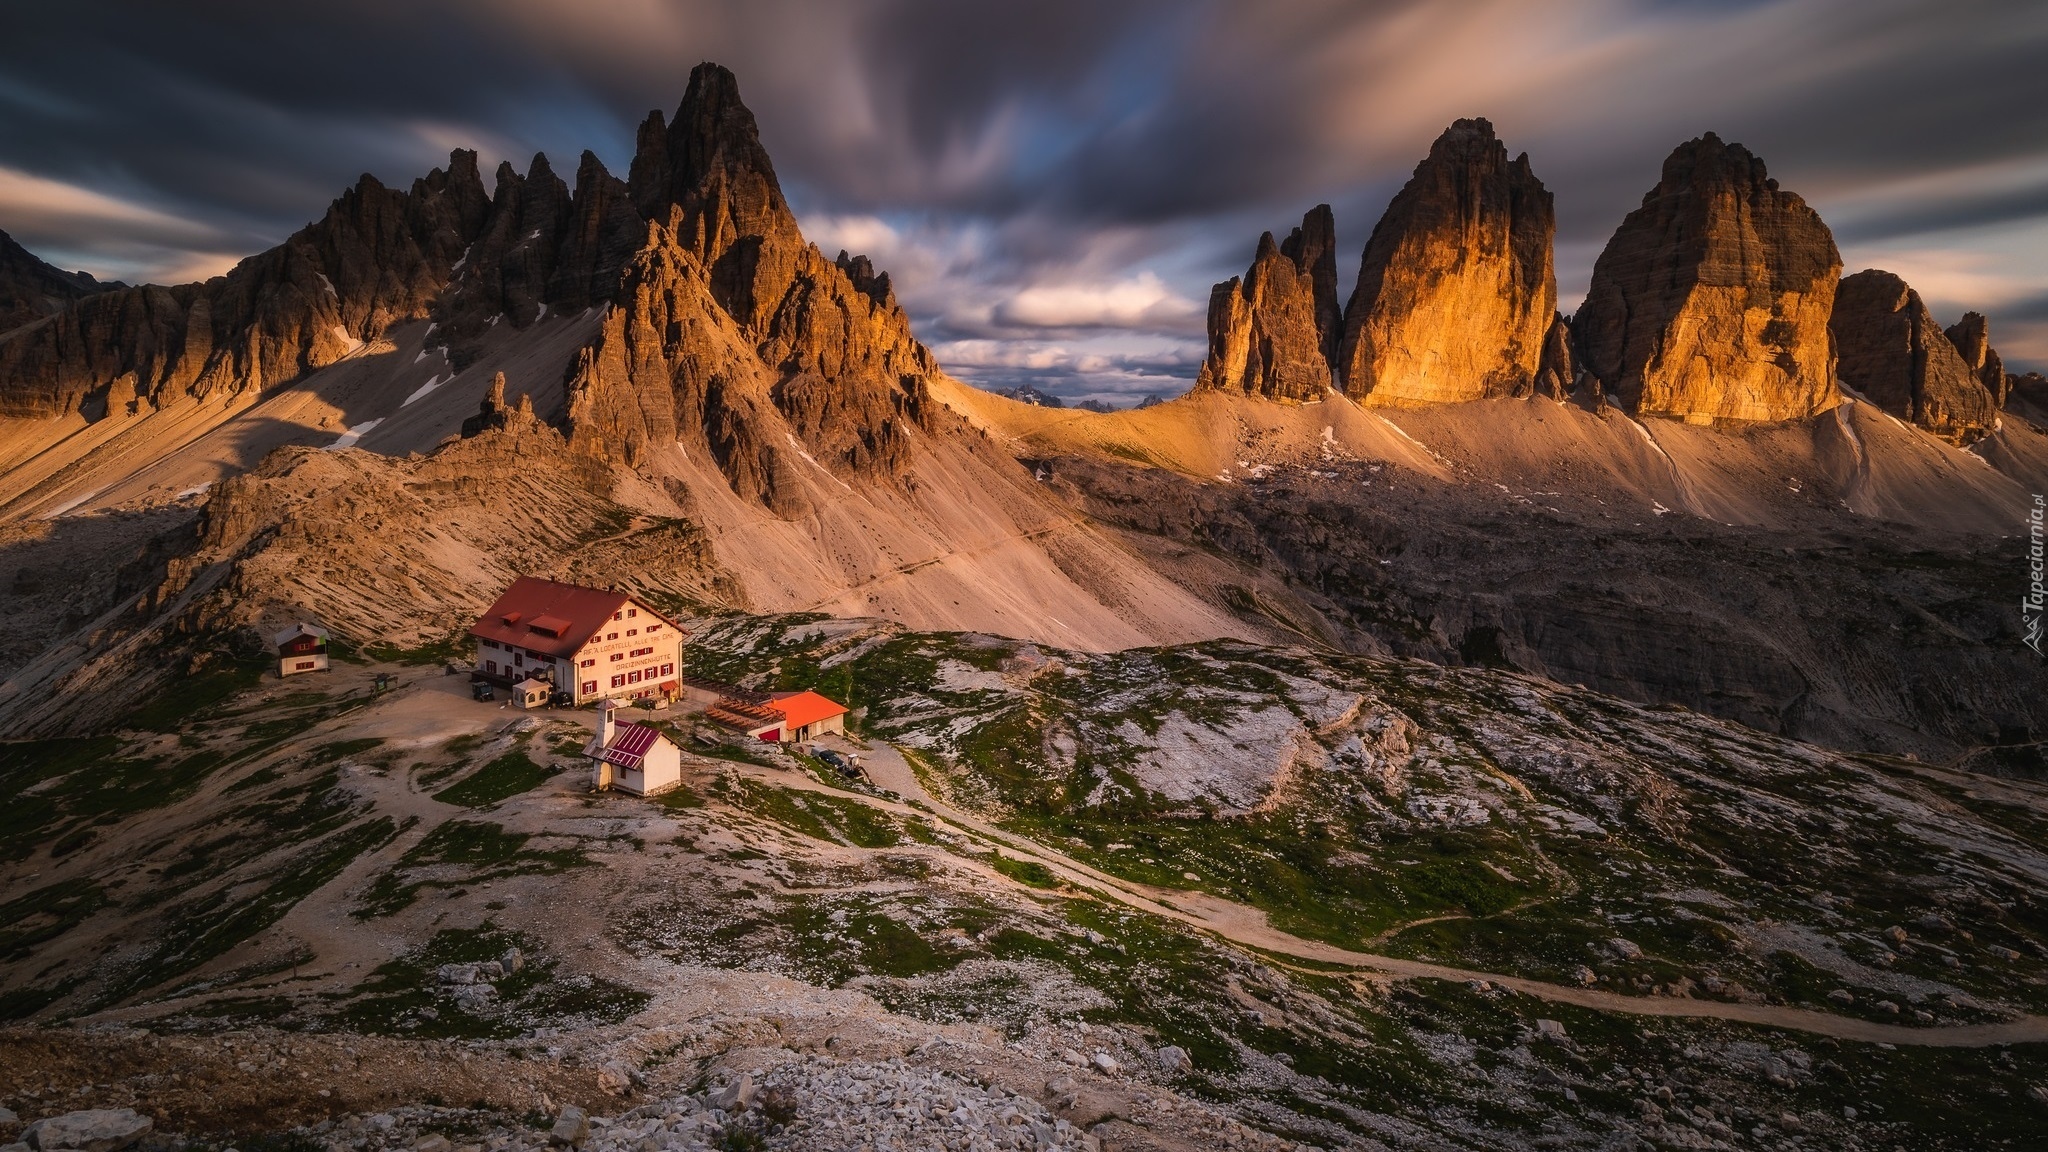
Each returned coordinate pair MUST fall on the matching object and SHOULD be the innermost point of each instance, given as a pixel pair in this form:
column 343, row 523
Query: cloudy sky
column 1054, row 185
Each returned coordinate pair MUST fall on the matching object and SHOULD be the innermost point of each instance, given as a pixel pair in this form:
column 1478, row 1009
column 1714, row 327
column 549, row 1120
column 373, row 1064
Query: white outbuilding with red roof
column 635, row 758
column 592, row 643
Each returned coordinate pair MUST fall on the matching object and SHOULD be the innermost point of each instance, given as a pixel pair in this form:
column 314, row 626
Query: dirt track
column 1247, row 927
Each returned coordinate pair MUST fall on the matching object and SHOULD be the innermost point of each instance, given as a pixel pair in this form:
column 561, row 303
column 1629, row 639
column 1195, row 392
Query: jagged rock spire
column 1456, row 294
column 1972, row 337
column 1273, row 330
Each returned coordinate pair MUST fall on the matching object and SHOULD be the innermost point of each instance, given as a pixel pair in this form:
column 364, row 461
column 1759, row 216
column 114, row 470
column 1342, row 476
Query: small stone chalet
column 591, row 643
column 301, row 648
column 634, row 758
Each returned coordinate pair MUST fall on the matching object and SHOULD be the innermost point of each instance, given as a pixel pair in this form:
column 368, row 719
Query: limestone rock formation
column 491, row 413
column 2027, row 396
column 379, row 256
column 1711, row 301
column 1972, row 337
column 1456, row 296
column 542, row 248
column 1273, row 331
column 1555, row 373
column 730, row 331
column 1894, row 354
column 31, row 289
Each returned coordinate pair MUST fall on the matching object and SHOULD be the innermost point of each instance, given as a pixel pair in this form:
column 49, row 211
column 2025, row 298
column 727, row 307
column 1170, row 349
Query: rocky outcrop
column 2028, row 392
column 1711, row 301
column 1972, row 337
column 31, row 289
column 730, row 332
column 1273, row 331
column 1555, row 374
column 543, row 248
column 378, row 257
column 1456, row 296
column 1896, row 356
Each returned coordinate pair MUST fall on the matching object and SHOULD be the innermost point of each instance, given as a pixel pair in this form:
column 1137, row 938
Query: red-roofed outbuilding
column 593, row 643
column 807, row 715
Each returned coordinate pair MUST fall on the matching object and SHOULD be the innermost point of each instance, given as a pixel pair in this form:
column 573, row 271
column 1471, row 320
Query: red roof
column 630, row 744
column 550, row 618
column 801, row 708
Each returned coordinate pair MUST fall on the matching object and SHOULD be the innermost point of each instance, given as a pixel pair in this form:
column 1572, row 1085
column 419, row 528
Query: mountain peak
column 1711, row 301
column 1456, row 295
column 31, row 288
column 710, row 151
column 1271, row 330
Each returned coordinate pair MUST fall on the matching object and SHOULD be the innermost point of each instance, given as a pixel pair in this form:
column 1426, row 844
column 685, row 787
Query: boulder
column 1711, row 301
column 1552, row 1031
column 456, row 974
column 1895, row 355
column 1174, row 1059
column 432, row 1143
column 738, row 1095
column 1106, row 1064
column 1456, row 296
column 1273, row 331
column 572, row 1126
column 92, row 1130
column 1625, row 949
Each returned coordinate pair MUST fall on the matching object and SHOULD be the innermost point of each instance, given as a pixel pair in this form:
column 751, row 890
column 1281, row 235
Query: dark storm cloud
column 1048, row 176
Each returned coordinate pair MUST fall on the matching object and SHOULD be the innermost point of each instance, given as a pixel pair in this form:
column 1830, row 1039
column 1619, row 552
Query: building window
column 633, row 677
column 668, row 669
column 589, row 686
column 632, row 631
column 303, row 665
column 618, row 656
column 590, row 663
column 611, row 635
column 490, row 665
column 631, row 612
column 653, row 628
column 618, row 615
column 618, row 681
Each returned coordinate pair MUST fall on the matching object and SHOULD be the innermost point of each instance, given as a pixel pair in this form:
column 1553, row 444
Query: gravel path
column 1248, row 927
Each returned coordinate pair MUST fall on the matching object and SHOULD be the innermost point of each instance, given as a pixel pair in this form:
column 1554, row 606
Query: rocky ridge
column 1895, row 354
column 379, row 256
column 31, row 289
column 1711, row 301
column 1456, row 297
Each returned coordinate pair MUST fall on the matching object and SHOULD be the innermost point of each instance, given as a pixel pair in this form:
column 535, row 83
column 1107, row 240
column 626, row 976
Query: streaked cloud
column 1065, row 175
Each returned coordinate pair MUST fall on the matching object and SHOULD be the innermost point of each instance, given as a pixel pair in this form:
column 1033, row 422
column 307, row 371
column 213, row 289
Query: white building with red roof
column 592, row 643
column 636, row 758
